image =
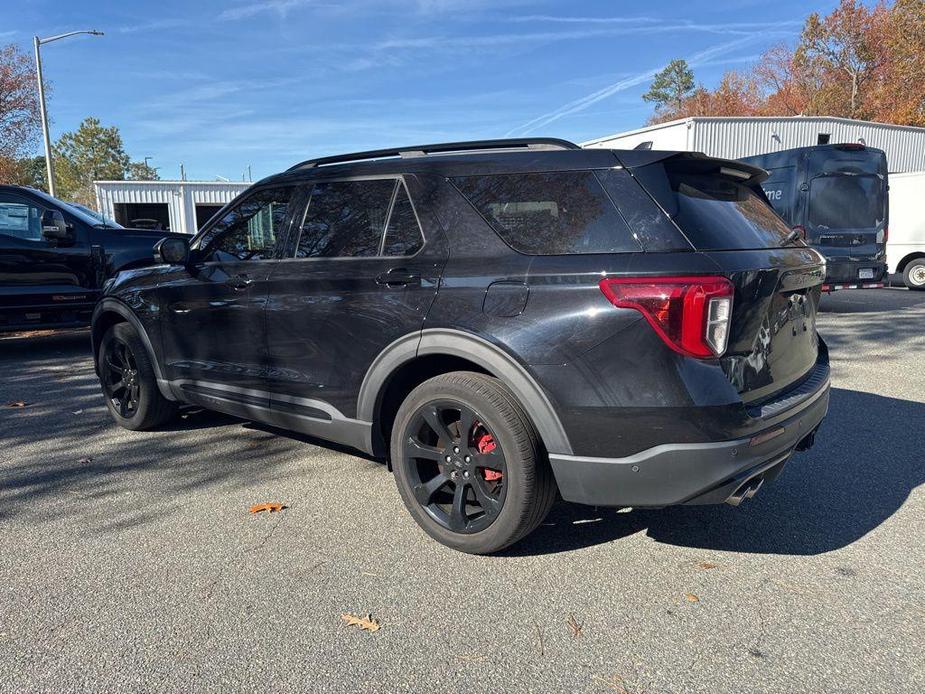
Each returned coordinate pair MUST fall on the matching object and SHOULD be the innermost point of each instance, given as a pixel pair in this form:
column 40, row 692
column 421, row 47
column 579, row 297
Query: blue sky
column 219, row 86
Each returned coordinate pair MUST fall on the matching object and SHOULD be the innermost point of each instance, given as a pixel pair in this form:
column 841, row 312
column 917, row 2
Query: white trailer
column 905, row 247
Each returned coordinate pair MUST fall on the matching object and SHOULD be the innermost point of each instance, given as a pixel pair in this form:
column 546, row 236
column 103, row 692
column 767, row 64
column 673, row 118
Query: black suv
column 500, row 319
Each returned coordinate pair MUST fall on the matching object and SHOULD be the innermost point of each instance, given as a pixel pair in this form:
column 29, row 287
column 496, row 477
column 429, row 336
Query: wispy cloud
column 154, row 25
column 581, row 104
column 278, row 7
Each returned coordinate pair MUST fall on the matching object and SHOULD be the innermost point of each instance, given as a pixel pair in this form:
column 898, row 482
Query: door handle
column 399, row 277
column 239, row 282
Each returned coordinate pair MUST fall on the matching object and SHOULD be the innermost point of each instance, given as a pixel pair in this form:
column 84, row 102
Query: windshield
column 98, row 216
column 846, row 201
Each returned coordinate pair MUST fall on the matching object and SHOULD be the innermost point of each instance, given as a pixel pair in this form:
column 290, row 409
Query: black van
column 836, row 197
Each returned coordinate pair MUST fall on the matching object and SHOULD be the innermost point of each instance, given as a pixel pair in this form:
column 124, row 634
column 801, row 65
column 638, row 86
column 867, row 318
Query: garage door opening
column 204, row 213
column 143, row 215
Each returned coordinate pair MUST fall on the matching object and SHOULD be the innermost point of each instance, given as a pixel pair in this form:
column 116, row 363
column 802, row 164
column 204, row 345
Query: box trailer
column 905, row 247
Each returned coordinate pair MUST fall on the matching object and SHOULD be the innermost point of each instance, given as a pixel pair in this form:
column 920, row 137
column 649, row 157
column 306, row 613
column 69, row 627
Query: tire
column 138, row 406
column 495, row 458
column 914, row 274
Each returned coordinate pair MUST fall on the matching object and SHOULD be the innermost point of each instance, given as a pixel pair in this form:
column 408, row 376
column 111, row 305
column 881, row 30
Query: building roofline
column 187, row 182
column 693, row 119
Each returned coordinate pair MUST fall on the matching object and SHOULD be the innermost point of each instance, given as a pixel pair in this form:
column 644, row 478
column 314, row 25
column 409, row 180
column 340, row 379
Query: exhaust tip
column 746, row 491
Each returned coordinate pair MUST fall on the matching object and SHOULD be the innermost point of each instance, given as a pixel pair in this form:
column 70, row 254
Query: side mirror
column 172, row 251
column 54, row 228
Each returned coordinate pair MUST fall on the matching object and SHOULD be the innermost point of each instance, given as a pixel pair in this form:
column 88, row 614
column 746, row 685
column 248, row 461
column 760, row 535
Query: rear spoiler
column 696, row 162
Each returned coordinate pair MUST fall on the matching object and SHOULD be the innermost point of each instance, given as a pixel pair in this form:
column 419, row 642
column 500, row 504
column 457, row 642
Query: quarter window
column 551, row 213
column 251, row 229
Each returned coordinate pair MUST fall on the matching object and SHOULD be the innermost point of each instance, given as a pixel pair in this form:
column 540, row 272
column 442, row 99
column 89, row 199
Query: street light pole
column 37, row 42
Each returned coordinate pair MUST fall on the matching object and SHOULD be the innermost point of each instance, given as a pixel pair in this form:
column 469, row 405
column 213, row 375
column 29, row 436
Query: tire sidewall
column 907, row 275
column 502, row 531
column 147, row 380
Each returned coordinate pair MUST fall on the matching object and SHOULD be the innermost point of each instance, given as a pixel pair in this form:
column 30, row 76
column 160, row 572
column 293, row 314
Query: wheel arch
column 908, row 258
column 110, row 312
column 420, row 356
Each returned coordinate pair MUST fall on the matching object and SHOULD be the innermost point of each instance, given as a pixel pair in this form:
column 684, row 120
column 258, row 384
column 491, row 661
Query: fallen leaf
column 78, row 412
column 574, row 627
column 366, row 623
column 691, row 597
column 272, row 508
column 85, row 461
column 17, row 403
column 707, row 565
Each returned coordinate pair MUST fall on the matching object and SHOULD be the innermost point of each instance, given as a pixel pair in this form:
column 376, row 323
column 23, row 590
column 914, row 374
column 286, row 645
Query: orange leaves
column 691, row 597
column 366, row 623
column 270, row 508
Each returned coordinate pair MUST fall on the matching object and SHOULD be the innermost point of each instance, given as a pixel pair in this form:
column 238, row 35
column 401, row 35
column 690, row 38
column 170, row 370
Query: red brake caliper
column 485, row 443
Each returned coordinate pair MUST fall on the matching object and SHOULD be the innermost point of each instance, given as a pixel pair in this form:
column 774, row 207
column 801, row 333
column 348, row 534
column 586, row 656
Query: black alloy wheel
column 120, row 378
column 456, row 466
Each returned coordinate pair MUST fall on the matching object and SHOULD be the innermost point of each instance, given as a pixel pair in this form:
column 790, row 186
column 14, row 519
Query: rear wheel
column 914, row 274
column 468, row 464
column 129, row 382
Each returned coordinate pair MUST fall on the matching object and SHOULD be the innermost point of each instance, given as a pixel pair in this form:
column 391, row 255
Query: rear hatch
column 846, row 210
column 720, row 208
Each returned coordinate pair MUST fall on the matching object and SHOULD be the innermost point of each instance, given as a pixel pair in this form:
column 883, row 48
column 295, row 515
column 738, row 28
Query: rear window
column 846, row 202
column 715, row 212
column 549, row 213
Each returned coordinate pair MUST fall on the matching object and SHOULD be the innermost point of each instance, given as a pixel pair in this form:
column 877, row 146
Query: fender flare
column 491, row 357
column 109, row 304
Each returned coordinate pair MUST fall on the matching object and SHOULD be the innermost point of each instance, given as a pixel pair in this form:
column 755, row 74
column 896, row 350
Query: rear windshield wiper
column 790, row 238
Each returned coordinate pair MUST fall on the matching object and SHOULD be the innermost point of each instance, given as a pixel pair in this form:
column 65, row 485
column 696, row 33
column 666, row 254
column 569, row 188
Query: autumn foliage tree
column 19, row 112
column 856, row 62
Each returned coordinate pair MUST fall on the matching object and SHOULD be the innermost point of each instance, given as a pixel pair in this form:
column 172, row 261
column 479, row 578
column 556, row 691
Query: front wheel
column 468, row 463
column 129, row 382
column 914, row 274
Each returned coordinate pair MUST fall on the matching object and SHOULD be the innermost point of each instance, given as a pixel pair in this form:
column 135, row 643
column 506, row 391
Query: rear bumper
column 695, row 473
column 845, row 273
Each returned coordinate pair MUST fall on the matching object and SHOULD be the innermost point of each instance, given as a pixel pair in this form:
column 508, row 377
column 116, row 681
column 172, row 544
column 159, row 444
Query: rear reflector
column 691, row 314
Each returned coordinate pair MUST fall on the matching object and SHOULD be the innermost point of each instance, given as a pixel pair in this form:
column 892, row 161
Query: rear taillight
column 690, row 314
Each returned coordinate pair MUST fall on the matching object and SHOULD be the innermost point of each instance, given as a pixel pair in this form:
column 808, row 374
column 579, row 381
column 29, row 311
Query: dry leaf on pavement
column 366, row 623
column 691, row 597
column 272, row 508
column 705, row 565
column 574, row 628
column 17, row 403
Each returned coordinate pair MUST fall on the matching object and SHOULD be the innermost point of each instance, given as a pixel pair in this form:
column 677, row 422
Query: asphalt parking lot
column 130, row 561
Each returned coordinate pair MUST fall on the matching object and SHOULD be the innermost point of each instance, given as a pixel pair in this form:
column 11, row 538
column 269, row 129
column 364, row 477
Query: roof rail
column 531, row 143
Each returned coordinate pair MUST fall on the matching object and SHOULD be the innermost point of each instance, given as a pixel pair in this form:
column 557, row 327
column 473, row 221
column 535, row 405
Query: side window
column 20, row 218
column 402, row 235
column 549, row 213
column 250, row 230
column 345, row 219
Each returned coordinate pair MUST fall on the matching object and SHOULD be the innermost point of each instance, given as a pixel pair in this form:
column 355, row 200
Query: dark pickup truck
column 54, row 258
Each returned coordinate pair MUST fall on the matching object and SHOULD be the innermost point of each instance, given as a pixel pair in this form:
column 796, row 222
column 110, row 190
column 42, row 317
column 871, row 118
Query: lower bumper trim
column 691, row 473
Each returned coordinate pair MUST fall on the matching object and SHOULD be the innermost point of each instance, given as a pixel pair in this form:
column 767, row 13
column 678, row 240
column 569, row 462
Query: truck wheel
column 468, row 463
column 914, row 274
column 129, row 383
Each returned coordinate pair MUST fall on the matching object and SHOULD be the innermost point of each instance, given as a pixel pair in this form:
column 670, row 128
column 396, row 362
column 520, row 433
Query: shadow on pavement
column 866, row 461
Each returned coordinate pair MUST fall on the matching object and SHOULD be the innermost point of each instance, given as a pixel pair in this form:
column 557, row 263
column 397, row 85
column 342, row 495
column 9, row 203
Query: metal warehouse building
column 182, row 206
column 733, row 138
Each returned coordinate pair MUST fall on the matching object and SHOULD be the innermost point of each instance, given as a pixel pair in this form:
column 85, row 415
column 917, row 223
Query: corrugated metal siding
column 181, row 197
column 733, row 138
